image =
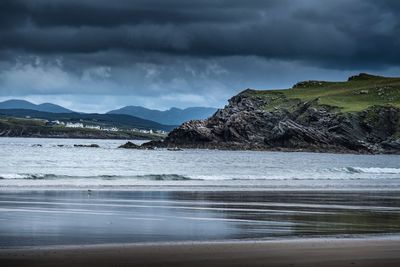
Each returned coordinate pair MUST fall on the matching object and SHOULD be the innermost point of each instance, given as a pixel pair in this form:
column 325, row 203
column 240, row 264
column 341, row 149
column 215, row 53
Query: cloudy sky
column 98, row 55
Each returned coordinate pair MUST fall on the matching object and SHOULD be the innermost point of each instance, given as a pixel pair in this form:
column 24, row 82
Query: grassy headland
column 357, row 94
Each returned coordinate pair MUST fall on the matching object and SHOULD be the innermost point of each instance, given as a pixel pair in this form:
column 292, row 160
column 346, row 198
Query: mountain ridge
column 24, row 104
column 172, row 116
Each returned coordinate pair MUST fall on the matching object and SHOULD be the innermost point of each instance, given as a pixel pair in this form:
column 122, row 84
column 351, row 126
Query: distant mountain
column 172, row 116
column 114, row 120
column 23, row 104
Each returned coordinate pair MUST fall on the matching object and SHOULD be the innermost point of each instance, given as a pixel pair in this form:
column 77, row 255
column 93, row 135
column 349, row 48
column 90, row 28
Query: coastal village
column 101, row 128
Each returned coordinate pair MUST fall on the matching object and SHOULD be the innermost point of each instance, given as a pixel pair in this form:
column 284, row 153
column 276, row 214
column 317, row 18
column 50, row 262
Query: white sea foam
column 374, row 170
column 45, row 176
column 26, row 176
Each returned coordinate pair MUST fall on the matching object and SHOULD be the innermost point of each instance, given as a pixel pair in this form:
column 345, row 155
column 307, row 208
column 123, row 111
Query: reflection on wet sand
column 53, row 217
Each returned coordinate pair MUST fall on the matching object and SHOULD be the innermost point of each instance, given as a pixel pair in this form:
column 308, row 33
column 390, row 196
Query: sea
column 58, row 192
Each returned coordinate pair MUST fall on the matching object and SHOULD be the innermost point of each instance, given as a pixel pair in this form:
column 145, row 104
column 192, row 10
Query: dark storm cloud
column 327, row 33
column 180, row 48
column 114, row 13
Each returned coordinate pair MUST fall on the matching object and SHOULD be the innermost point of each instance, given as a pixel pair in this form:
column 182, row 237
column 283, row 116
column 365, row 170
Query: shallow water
column 52, row 193
column 25, row 164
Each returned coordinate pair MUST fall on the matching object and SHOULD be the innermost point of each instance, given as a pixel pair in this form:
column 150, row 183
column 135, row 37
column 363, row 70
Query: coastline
column 150, row 145
column 86, row 137
column 368, row 251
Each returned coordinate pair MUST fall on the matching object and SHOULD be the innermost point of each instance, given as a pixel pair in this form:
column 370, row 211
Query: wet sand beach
column 306, row 252
column 79, row 217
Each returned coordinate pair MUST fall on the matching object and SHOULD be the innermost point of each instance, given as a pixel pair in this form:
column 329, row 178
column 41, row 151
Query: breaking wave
column 371, row 170
column 28, row 176
column 151, row 177
column 347, row 173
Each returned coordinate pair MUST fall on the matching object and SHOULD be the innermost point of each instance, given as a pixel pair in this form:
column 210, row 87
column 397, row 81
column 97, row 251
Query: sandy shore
column 307, row 252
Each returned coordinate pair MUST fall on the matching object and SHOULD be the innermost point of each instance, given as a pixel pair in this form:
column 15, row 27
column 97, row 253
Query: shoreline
column 369, row 251
column 75, row 138
column 310, row 239
column 222, row 148
column 162, row 188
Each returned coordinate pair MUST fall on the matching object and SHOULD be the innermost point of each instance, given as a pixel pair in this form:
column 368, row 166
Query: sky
column 94, row 56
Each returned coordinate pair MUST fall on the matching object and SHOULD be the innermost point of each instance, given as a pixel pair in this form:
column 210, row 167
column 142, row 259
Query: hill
column 361, row 115
column 23, row 104
column 173, row 116
column 19, row 127
column 109, row 120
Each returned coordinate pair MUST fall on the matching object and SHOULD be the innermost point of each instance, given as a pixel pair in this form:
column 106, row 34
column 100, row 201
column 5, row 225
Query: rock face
column 146, row 146
column 364, row 76
column 91, row 145
column 129, row 145
column 246, row 123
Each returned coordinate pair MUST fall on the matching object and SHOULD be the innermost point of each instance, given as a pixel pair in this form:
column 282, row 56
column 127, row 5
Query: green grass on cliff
column 355, row 95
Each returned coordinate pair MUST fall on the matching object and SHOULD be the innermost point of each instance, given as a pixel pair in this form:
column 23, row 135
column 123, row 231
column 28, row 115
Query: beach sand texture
column 309, row 252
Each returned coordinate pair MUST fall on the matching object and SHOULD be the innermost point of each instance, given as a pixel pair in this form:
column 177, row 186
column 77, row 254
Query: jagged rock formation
column 261, row 120
column 129, row 145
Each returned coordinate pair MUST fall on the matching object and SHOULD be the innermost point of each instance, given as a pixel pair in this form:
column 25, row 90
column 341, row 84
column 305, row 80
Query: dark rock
column 153, row 145
column 130, row 145
column 91, row 145
column 174, row 149
column 308, row 84
column 391, row 146
column 364, row 76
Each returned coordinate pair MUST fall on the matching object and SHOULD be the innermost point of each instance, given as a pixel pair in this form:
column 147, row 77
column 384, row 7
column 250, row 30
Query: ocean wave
column 372, row 170
column 27, row 176
column 347, row 173
column 151, row 177
column 164, row 177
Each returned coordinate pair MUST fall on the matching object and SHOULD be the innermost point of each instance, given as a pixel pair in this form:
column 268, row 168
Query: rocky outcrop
column 364, row 76
column 130, row 145
column 91, row 145
column 249, row 122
